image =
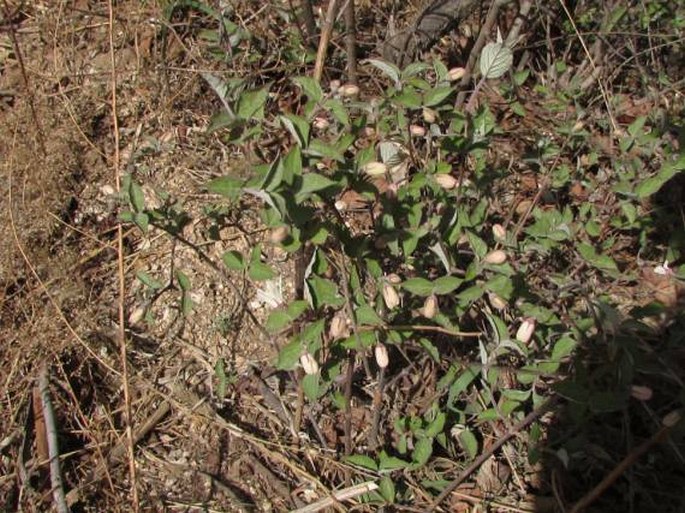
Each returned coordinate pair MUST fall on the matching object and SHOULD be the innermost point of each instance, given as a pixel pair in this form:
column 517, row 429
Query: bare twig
column 340, row 495
column 351, row 42
column 53, row 448
column 324, row 40
column 120, row 267
column 625, row 463
column 511, row 432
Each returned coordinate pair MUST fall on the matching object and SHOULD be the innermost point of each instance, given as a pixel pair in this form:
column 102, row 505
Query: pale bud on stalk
column 375, row 169
column 417, row 130
column 430, row 307
column 641, row 393
column 335, row 85
column 499, row 232
column 497, row 302
column 309, row 364
column 338, row 327
column 321, row 123
column 381, row 354
column 495, row 257
column 393, row 278
column 447, row 182
column 429, row 115
column 136, row 315
column 671, row 419
column 349, row 90
column 526, row 330
column 279, row 234
column 456, row 74
column 390, row 296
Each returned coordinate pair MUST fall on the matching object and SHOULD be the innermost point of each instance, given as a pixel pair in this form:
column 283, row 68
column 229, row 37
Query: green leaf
column 446, row 284
column 562, row 348
column 436, row 96
column 495, row 60
column 142, row 220
column 480, row 248
column 437, row 425
column 310, row 386
column 602, row 262
column 234, row 260
column 653, row 184
column 469, row 443
column 137, row 197
column 292, row 165
column 251, row 103
column 311, row 88
column 387, row 489
column 423, row 449
column 361, row 460
column 298, row 128
column 183, row 280
column 225, row 186
column 388, row 68
column 311, row 183
column 418, row 286
column 148, row 280
column 258, row 270
column 386, row 462
column 289, row 355
column 277, row 320
column 186, row 304
column 367, row 315
column 324, row 292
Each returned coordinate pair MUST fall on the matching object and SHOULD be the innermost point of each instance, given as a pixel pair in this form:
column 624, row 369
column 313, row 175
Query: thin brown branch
column 351, row 42
column 620, row 469
column 511, row 432
column 53, row 448
column 324, row 40
column 121, row 275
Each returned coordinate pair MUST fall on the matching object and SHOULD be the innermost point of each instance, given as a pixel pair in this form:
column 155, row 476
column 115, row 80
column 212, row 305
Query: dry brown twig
column 511, row 432
column 120, row 264
column 51, row 435
column 324, row 40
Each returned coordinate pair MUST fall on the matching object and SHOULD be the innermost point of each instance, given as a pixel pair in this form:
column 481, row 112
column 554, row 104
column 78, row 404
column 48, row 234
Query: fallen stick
column 53, row 448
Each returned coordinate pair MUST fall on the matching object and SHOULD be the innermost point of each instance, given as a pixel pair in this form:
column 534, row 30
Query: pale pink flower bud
column 309, row 364
column 497, row 302
column 429, row 115
column 321, row 123
column 445, row 181
column 381, row 354
column 495, row 257
column 338, row 327
column 335, row 85
column 417, row 130
column 671, row 419
column 279, row 234
column 499, row 232
column 430, row 307
column 641, row 393
column 390, row 296
column 456, row 74
column 349, row 90
column 526, row 330
column 375, row 169
column 393, row 278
